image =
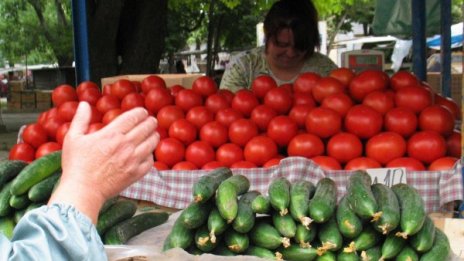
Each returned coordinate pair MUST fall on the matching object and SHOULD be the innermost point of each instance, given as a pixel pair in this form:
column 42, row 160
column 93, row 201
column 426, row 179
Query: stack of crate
column 43, row 99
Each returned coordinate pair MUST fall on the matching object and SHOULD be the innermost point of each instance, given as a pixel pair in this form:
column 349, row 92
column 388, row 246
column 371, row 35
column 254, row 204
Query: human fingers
column 143, row 130
column 128, row 120
column 81, row 120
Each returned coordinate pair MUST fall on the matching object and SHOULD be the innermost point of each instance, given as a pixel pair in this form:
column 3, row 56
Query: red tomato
column 47, row 148
column 436, row 118
column 138, row 86
column 22, row 151
column 170, row 151
column 67, row 110
column 244, row 102
column 243, row 165
column 305, row 82
column 183, row 130
column 338, row 102
column 366, row 82
column 363, row 121
column 42, row 118
column 385, row 147
column 63, row 93
column 227, row 116
column 401, row 120
column 184, row 165
column 327, row 163
column 302, row 98
column 323, row 122
column 262, row 115
column 403, row 79
column 205, row 86
column 272, row 162
column 426, row 146
column 344, row 75
column 326, row 86
column 35, row 135
column 200, row 153
column 410, row 164
column 175, row 89
column 379, row 101
column 241, row 131
column 228, row 94
column 262, row 84
column 450, row 104
column 298, row 113
column 96, row 116
column 169, row 114
column 93, row 127
column 187, row 99
column 157, row 98
column 110, row 115
column 152, row 81
column 282, row 129
column 199, row 116
column 362, row 163
column 229, row 154
column 415, row 98
column 121, row 88
column 216, row 102
column 61, row 132
column 106, row 89
column 279, row 99
column 86, row 85
column 107, row 102
column 288, row 86
column 90, row 95
column 305, row 145
column 259, row 150
column 214, row 133
column 445, row 163
column 163, row 133
column 51, row 126
column 213, row 165
column 344, row 147
column 453, row 144
column 132, row 100
column 158, row 165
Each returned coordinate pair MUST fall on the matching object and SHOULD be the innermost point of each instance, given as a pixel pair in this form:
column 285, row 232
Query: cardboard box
column 434, row 80
column 185, row 80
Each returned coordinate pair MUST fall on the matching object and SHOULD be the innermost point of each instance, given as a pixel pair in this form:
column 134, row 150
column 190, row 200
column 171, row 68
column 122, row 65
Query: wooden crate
column 434, row 80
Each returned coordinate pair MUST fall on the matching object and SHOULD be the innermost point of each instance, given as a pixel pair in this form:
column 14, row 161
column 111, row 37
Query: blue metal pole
column 81, row 48
column 446, row 47
column 418, row 38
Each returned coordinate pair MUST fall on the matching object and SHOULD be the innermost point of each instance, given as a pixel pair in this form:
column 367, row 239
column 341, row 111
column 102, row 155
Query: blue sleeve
column 56, row 232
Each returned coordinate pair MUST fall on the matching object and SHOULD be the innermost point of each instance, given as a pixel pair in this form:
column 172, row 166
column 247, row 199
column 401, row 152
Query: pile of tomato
column 342, row 121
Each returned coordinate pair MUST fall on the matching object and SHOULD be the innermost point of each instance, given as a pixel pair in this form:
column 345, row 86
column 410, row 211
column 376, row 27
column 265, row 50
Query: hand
column 100, row 165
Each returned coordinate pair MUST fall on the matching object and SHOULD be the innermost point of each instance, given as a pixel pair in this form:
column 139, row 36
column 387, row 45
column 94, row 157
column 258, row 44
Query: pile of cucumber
column 24, row 187
column 302, row 221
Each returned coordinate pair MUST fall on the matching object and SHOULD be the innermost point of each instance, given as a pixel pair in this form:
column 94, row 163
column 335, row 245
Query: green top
column 248, row 65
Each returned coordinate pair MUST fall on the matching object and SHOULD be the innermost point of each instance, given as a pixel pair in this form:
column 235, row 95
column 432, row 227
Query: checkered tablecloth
column 173, row 189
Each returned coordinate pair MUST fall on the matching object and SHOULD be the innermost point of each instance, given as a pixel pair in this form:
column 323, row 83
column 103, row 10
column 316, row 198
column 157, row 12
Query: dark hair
column 301, row 17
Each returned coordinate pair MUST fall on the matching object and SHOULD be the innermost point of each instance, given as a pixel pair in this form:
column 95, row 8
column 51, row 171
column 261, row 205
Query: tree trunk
column 209, row 47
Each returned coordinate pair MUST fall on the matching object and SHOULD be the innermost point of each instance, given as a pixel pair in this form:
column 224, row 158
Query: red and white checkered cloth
column 173, row 189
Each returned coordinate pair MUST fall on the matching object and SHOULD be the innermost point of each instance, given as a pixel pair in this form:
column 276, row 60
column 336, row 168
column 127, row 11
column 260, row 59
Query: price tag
column 387, row 176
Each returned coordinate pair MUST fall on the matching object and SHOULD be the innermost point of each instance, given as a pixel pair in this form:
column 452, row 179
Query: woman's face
column 281, row 51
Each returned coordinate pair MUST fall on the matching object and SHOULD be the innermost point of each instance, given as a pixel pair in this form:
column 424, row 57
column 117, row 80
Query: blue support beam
column 418, row 38
column 446, row 47
column 81, row 41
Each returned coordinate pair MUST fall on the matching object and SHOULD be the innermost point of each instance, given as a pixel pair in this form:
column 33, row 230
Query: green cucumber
column 43, row 190
column 279, row 195
column 348, row 256
column 235, row 241
column 322, row 205
column 5, row 195
column 360, row 196
column 265, row 235
column 7, row 225
column 222, row 250
column 119, row 212
column 216, row 224
column 260, row 252
column 35, row 172
column 180, row 236
column 327, row 256
column 19, row 202
column 122, row 232
column 34, row 206
column 392, row 246
column 9, row 169
column 205, row 187
column 387, row 204
column 193, row 250
column 203, row 241
column 195, row 214
column 330, row 236
column 423, row 240
column 285, row 224
column 297, row 253
column 305, row 236
column 412, row 209
column 300, row 194
column 440, row 250
column 245, row 219
column 108, row 203
column 371, row 254
column 227, row 193
column 18, row 214
column 349, row 224
column 261, row 205
column 407, row 254
column 368, row 238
